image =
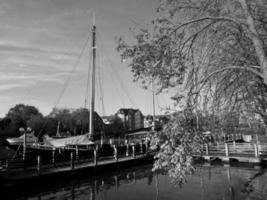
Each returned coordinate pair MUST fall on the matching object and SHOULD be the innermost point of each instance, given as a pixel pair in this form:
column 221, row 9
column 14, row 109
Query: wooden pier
column 63, row 162
column 233, row 151
column 37, row 167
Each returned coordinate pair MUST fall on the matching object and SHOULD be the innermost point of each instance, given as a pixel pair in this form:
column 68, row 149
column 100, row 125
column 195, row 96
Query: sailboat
column 58, row 142
column 81, row 143
column 87, row 138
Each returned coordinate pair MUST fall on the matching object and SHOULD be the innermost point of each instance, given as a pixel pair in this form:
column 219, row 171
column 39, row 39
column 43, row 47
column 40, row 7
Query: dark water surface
column 208, row 182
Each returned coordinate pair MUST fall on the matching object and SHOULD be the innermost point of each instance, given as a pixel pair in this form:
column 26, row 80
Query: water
column 208, row 182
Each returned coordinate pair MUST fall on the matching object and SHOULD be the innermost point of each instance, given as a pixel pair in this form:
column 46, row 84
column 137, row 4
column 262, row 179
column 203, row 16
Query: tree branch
column 207, row 18
column 204, row 80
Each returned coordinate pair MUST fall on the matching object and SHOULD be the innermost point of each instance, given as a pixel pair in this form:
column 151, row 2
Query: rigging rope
column 100, row 88
column 67, row 81
column 71, row 72
column 117, row 75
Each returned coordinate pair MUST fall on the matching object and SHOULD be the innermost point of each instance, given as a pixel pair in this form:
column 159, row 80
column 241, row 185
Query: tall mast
column 92, row 102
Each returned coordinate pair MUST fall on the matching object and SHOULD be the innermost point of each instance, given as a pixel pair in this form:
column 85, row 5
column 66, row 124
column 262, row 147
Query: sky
column 40, row 46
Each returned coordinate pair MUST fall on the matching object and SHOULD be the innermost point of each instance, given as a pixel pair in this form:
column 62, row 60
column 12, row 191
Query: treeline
column 67, row 121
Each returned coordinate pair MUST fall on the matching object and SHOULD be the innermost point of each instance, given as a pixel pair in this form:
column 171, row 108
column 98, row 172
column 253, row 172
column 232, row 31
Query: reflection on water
column 208, row 182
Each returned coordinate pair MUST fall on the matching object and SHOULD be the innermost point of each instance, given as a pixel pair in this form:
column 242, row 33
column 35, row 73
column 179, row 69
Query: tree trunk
column 254, row 36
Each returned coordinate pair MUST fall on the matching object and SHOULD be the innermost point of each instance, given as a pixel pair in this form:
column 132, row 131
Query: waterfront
column 208, row 182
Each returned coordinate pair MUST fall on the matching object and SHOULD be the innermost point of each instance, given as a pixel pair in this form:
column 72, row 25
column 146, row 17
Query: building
column 132, row 119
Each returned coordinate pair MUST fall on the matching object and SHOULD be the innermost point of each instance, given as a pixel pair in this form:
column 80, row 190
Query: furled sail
column 62, row 142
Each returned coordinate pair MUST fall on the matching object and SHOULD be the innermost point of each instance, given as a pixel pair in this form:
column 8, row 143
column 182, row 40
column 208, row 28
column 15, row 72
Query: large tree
column 213, row 47
column 212, row 51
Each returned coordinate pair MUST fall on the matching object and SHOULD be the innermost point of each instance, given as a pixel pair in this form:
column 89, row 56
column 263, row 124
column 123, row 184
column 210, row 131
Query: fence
column 251, row 150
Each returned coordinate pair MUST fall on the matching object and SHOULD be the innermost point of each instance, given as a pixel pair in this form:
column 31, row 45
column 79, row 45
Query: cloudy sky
column 40, row 43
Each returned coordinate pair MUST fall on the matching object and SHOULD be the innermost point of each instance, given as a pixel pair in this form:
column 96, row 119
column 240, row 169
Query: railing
column 253, row 150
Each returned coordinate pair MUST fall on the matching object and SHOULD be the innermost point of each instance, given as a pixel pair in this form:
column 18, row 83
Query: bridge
column 252, row 152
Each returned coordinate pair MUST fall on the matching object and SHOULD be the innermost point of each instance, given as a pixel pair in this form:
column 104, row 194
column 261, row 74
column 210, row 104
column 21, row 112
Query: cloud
column 54, row 77
column 9, row 86
column 21, row 58
column 44, row 106
column 9, row 82
column 9, row 47
column 4, row 7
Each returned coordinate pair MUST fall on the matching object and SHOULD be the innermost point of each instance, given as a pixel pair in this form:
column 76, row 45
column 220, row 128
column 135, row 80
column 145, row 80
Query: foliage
column 115, row 128
column 80, row 118
column 49, row 127
column 23, row 111
column 36, row 122
column 178, row 141
column 18, row 116
column 75, row 121
column 214, row 53
column 5, row 122
column 63, row 115
column 9, row 127
column 215, row 49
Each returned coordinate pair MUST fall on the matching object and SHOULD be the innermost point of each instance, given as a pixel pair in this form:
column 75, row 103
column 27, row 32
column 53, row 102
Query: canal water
column 207, row 183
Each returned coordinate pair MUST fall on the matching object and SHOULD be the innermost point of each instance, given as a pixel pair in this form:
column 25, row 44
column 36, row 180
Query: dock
column 19, row 170
column 62, row 163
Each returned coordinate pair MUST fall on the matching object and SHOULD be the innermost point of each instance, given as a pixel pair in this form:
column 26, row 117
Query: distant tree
column 25, row 112
column 63, row 115
column 8, row 127
column 81, row 120
column 37, row 123
column 19, row 116
column 5, row 122
column 116, row 126
column 49, row 127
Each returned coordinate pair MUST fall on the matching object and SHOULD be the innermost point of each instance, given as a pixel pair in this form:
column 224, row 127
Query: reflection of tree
column 149, row 179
